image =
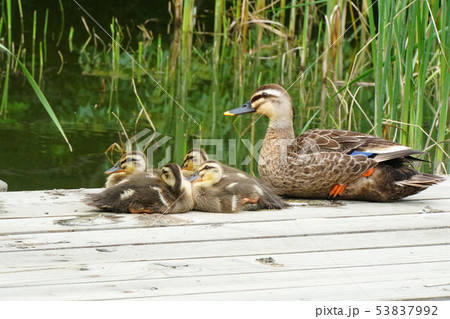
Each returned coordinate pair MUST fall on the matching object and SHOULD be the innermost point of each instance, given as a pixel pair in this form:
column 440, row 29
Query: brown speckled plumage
column 166, row 193
column 310, row 165
column 231, row 194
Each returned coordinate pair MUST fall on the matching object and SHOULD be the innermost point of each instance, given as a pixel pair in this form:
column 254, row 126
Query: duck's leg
column 247, row 200
column 369, row 172
column 337, row 190
column 139, row 211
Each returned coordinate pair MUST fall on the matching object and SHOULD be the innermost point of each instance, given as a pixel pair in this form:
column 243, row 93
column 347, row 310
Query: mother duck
column 330, row 163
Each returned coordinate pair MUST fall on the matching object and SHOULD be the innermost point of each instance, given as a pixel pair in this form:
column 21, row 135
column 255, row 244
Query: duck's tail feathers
column 97, row 200
column 272, row 202
column 403, row 153
column 421, row 180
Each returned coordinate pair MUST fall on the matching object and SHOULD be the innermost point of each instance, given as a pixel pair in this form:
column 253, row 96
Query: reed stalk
column 218, row 14
column 292, row 20
column 44, row 36
column 41, row 63
column 140, row 62
column 71, row 32
column 33, row 43
column 305, row 38
column 63, row 19
column 22, row 28
column 444, row 92
column 4, row 104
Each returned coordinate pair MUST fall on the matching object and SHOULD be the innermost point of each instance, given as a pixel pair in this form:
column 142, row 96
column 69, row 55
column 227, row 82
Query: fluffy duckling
column 197, row 156
column 329, row 163
column 167, row 193
column 129, row 164
column 193, row 160
column 214, row 193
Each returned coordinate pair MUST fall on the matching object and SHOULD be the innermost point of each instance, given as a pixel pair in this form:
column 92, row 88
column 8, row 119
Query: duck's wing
column 328, row 167
column 139, row 193
column 352, row 143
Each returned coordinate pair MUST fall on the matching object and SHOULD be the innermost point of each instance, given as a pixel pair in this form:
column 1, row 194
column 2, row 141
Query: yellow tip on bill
column 227, row 113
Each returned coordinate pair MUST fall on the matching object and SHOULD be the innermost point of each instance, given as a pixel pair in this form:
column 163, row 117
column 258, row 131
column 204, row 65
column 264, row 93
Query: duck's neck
column 279, row 136
column 280, row 132
column 280, row 128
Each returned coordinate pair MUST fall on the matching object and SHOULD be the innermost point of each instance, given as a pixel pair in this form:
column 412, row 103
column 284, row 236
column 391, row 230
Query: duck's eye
column 264, row 94
column 207, row 167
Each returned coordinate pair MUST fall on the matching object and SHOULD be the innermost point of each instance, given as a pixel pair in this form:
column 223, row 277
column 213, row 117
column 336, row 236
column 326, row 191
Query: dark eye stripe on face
column 262, row 95
column 256, row 98
column 129, row 159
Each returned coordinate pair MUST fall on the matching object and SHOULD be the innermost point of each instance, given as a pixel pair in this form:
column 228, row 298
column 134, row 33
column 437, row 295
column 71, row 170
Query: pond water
column 33, row 154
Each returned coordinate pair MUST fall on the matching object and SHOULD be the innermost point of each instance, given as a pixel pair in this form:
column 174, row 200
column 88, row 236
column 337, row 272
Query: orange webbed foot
column 337, row 190
column 369, row 172
column 246, row 200
column 139, row 211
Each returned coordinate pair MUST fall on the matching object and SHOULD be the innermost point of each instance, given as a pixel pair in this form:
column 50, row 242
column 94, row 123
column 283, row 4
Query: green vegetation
column 375, row 67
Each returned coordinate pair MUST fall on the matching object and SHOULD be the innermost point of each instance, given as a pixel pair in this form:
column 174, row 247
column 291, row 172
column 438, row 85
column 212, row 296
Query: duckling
column 193, row 160
column 214, row 193
column 324, row 163
column 131, row 163
column 197, row 156
column 167, row 193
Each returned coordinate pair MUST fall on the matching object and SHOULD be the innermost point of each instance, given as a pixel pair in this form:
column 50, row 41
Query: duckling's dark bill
column 243, row 109
column 194, row 178
column 114, row 169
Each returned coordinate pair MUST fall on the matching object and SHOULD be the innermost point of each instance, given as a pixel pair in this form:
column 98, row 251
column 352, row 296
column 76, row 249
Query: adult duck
column 330, row 163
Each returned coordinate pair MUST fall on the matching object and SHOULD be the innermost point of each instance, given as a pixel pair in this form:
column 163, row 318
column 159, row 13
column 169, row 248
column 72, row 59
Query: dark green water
column 33, row 155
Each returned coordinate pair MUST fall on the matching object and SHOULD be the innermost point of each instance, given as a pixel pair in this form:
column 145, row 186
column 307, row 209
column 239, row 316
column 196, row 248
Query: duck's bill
column 243, row 109
column 115, row 169
column 195, row 178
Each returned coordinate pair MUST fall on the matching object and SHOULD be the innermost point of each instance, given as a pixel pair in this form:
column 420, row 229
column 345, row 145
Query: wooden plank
column 357, row 250
column 97, row 221
column 76, row 272
column 433, row 275
column 44, row 203
column 220, row 248
column 68, row 203
column 316, row 226
column 414, row 289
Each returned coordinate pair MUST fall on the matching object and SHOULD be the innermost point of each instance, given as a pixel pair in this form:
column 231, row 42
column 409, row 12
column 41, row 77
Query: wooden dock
column 53, row 247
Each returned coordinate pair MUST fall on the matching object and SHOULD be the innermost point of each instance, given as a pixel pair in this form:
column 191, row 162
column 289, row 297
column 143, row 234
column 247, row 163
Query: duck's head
column 271, row 100
column 193, row 160
column 208, row 174
column 171, row 175
column 129, row 163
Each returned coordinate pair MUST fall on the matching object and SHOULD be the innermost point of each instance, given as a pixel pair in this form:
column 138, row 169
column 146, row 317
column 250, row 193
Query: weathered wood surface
column 54, row 247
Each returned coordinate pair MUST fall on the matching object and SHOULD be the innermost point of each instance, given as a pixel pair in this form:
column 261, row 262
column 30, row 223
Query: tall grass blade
column 40, row 95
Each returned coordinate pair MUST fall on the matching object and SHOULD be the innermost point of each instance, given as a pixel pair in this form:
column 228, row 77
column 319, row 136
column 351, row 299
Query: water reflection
column 35, row 157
